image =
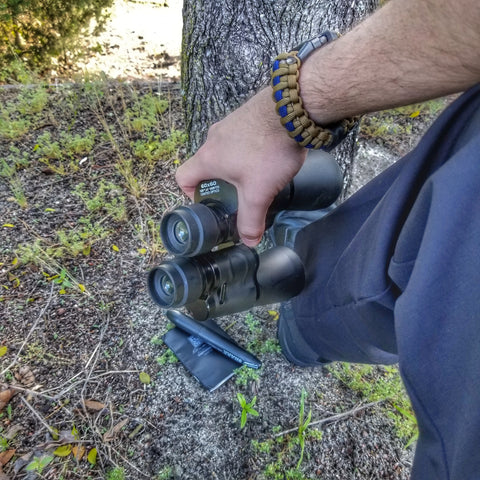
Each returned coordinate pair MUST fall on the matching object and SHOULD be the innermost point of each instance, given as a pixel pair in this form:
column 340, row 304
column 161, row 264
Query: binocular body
column 227, row 281
column 211, row 275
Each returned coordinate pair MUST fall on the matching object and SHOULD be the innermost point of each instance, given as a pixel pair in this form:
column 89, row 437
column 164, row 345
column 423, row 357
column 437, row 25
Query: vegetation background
column 88, row 390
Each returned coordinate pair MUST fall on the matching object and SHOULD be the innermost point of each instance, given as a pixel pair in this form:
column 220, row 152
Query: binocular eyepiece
column 212, row 281
column 198, row 228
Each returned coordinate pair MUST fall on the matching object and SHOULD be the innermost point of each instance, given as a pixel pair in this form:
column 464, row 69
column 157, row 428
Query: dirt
column 81, row 331
column 141, row 40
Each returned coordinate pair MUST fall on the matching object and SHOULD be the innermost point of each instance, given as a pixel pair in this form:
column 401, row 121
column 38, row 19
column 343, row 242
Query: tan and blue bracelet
column 289, row 105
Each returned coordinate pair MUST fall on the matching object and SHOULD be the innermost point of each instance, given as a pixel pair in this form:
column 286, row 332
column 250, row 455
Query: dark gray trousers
column 394, row 276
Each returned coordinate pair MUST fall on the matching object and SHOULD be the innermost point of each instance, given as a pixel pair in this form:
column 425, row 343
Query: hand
column 251, row 150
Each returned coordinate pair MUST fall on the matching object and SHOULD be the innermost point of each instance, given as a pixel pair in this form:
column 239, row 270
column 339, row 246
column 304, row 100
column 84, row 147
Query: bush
column 35, row 31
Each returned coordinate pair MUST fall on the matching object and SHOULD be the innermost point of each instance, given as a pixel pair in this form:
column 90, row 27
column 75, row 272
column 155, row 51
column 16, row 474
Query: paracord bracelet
column 289, row 105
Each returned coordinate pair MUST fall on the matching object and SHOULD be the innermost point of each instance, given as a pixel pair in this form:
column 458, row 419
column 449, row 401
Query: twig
column 333, row 418
column 34, row 326
column 38, row 416
column 94, row 357
column 86, row 365
column 79, row 382
column 111, row 372
column 32, row 392
column 130, row 464
column 58, row 396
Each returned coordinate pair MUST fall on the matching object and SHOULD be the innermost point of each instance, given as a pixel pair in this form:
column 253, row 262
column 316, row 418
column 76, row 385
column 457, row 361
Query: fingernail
column 251, row 242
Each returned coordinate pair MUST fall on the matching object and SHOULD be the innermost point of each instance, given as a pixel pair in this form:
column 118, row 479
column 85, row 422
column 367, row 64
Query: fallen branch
column 334, row 418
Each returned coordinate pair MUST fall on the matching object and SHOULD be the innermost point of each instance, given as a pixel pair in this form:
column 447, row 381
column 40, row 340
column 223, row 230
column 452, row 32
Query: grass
column 377, row 384
column 63, row 149
column 19, row 116
column 144, row 125
column 283, row 453
column 391, row 124
column 9, row 168
column 80, row 201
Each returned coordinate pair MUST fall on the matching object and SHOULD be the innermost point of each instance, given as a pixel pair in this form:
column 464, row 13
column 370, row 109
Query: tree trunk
column 228, row 48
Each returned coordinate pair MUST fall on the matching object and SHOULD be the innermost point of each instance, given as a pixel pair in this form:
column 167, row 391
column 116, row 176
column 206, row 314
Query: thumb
column 251, row 219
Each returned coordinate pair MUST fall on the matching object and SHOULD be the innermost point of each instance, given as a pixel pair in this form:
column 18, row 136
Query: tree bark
column 228, row 48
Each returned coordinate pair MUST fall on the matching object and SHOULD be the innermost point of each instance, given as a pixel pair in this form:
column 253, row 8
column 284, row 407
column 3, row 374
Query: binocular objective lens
column 180, row 231
column 167, row 286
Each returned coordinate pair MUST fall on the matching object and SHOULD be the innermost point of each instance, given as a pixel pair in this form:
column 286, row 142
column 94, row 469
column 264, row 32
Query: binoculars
column 211, row 274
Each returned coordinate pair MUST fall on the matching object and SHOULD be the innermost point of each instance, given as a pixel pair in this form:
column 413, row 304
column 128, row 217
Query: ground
column 141, row 40
column 88, row 390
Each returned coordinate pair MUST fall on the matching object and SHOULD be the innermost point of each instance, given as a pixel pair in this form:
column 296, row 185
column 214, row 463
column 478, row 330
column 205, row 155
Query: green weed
column 258, row 343
column 63, row 156
column 32, row 100
column 143, row 115
column 153, row 149
column 17, row 71
column 287, row 448
column 262, row 447
column 38, row 464
column 303, row 424
column 118, row 473
column 36, row 253
column 18, row 116
column 16, row 160
column 164, row 474
column 247, row 408
column 4, row 444
column 108, row 198
column 81, row 239
column 8, row 172
column 167, row 357
column 156, row 340
column 400, row 121
column 48, row 149
column 12, row 129
column 18, row 192
column 244, row 375
column 78, row 144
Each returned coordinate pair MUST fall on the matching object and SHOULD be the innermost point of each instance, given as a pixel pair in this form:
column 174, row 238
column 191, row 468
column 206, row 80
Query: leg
column 393, row 275
column 349, row 299
column 436, row 264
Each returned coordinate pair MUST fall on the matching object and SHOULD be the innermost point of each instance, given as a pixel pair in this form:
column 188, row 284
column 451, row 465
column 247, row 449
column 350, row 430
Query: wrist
column 315, row 89
column 290, row 105
column 271, row 128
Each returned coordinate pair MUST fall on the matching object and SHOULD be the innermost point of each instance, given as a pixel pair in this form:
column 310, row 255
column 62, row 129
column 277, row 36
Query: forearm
column 408, row 51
